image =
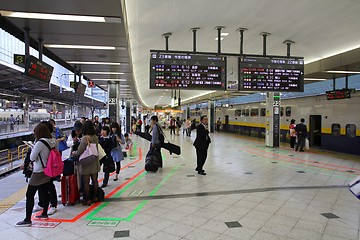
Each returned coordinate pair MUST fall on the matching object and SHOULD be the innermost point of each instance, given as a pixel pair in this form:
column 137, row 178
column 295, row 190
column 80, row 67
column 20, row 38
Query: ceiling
column 320, row 29
column 82, row 33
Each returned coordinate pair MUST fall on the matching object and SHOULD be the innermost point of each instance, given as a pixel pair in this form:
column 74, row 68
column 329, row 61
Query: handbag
column 307, row 144
column 90, row 155
column 102, row 153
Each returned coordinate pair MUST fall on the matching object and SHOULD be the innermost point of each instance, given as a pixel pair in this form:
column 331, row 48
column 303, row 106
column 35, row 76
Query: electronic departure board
column 187, row 71
column 39, row 70
column 271, row 74
column 338, row 94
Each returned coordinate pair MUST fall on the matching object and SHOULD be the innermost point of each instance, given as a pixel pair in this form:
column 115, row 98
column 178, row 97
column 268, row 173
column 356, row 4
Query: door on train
column 315, row 130
column 226, row 124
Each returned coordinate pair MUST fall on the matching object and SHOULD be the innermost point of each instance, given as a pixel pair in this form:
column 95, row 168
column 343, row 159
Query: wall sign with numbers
column 112, row 100
column 38, row 69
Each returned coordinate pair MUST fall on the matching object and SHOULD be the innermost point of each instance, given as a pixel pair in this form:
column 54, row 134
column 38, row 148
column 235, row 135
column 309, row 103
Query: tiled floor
column 246, row 195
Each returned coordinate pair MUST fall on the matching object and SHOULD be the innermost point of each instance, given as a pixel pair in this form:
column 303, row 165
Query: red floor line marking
column 300, row 162
column 299, row 159
column 89, row 209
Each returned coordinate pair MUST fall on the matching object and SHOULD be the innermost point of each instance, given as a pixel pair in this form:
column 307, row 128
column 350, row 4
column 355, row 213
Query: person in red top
column 292, row 134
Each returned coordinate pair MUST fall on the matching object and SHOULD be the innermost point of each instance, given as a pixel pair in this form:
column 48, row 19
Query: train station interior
column 224, row 119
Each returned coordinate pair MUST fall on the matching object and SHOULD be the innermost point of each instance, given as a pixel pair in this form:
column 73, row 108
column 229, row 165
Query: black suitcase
column 100, row 194
column 151, row 162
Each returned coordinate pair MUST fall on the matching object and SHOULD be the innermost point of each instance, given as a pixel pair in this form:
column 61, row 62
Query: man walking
column 301, row 133
column 201, row 144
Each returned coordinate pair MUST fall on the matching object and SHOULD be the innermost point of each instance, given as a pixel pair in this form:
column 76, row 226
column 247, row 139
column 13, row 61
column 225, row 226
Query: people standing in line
column 172, row 125
column 178, row 125
column 106, row 122
column 73, row 143
column 292, row 134
column 107, row 161
column 83, row 120
column 301, row 133
column 188, row 127
column 38, row 181
column 89, row 171
column 155, row 144
column 116, row 151
column 201, row 144
column 218, row 125
column 59, row 136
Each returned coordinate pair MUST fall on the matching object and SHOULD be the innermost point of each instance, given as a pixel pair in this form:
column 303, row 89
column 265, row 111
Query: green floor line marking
column 138, row 208
column 103, row 205
column 314, row 169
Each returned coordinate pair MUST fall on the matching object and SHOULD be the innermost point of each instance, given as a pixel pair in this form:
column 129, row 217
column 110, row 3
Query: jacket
column 202, row 140
column 301, row 130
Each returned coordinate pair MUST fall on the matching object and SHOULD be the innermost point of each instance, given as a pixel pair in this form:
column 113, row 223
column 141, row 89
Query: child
column 128, row 143
column 116, row 152
column 109, row 166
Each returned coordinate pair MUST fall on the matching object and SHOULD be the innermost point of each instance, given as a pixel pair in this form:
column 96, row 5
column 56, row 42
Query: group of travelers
column 187, row 125
column 48, row 136
column 298, row 135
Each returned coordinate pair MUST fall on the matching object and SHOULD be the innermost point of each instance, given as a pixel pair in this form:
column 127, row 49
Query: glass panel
column 263, row 112
column 288, row 111
column 238, row 112
column 351, row 130
column 335, row 129
column 245, row 112
column 282, row 111
column 254, row 112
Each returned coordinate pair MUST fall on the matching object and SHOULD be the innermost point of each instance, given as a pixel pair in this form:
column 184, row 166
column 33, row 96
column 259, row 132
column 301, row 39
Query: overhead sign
column 38, row 69
column 19, row 60
column 80, row 89
column 339, row 94
column 187, row 71
column 271, row 74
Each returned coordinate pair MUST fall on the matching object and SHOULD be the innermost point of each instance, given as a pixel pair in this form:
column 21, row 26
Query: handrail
column 20, row 149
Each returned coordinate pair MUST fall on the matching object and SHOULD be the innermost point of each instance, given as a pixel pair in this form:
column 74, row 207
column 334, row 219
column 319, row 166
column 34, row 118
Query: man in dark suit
column 301, row 133
column 201, row 144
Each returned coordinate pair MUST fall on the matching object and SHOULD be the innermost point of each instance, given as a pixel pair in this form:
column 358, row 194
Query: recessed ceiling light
column 108, row 79
column 124, row 86
column 349, row 72
column 315, row 79
column 69, row 46
column 224, row 34
column 110, row 73
column 58, row 17
column 96, row 63
column 220, row 39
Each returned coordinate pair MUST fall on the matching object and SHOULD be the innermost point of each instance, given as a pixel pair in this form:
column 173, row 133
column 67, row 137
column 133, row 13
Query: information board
column 271, row 74
column 338, row 94
column 187, row 71
column 39, row 70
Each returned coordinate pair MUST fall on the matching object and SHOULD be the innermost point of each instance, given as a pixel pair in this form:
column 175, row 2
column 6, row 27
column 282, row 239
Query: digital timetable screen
column 187, row 71
column 271, row 74
column 39, row 70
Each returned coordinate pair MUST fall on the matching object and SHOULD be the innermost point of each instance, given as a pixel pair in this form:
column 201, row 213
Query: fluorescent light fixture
column 109, row 79
column 315, row 79
column 57, row 17
column 96, row 63
column 224, row 34
column 124, row 86
column 344, row 72
column 220, row 39
column 110, row 73
column 69, row 46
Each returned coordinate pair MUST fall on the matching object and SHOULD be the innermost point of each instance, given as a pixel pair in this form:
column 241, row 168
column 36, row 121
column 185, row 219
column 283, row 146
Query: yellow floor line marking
column 11, row 200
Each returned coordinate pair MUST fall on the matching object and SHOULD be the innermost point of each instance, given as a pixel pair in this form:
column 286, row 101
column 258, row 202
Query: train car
column 332, row 125
column 33, row 116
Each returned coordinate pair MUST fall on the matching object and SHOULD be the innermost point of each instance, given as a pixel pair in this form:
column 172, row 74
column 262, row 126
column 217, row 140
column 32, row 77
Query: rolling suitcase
column 69, row 190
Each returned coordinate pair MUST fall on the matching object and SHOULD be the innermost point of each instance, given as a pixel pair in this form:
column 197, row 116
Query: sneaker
column 42, row 217
column 24, row 224
column 52, row 210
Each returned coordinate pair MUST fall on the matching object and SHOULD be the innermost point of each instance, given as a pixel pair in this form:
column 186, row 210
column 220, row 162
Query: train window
column 1, row 119
column 263, row 112
column 335, row 129
column 245, row 112
column 351, row 130
column 254, row 112
column 288, row 111
column 238, row 112
column 282, row 111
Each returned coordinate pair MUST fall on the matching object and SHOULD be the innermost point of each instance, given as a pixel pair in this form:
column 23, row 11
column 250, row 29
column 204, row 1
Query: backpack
column 28, row 166
column 55, row 165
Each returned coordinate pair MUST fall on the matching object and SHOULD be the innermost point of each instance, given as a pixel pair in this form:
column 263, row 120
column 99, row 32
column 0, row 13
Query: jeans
column 30, row 194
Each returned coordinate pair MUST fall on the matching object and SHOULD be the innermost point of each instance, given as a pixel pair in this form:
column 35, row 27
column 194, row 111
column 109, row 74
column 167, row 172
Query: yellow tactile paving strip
column 11, row 200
